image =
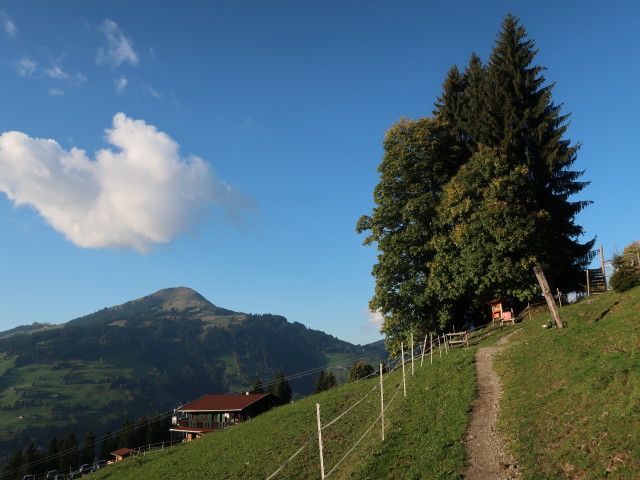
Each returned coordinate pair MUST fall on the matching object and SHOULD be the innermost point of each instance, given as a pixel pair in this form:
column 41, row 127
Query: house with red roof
column 121, row 453
column 216, row 412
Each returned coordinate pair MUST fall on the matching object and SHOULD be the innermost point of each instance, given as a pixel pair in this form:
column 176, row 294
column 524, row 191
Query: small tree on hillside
column 359, row 371
column 626, row 274
column 257, row 387
column 326, row 381
column 281, row 389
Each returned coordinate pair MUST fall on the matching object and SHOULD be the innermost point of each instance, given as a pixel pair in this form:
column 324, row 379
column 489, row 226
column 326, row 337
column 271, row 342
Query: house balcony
column 205, row 424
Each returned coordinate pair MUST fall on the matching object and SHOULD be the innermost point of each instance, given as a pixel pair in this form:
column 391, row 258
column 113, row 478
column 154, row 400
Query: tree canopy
column 359, row 371
column 472, row 198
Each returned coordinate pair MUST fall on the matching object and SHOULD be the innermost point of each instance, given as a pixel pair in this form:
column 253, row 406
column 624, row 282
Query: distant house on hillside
column 217, row 412
column 121, row 453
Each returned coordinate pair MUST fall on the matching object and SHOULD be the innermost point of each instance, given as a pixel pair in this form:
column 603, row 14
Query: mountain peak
column 181, row 298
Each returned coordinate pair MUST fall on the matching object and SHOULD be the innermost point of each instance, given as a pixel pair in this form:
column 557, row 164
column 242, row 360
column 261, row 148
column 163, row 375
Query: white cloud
column 56, row 92
column 8, row 25
column 375, row 319
column 140, row 193
column 56, row 73
column 152, row 91
column 121, row 84
column 119, row 48
column 25, row 67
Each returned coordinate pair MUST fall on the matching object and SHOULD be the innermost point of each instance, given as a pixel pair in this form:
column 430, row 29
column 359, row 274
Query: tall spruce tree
column 529, row 128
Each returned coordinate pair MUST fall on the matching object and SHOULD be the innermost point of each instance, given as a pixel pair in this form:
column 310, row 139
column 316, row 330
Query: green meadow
column 570, row 410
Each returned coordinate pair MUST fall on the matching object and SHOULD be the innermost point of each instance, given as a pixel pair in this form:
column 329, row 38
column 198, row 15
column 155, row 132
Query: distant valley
column 149, row 356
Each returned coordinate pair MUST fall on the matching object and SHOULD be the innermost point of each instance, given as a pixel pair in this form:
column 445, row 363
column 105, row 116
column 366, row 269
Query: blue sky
column 231, row 146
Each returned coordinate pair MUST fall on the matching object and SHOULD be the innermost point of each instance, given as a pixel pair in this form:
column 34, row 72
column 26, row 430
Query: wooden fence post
column 381, row 403
column 424, row 347
column 547, row 295
column 431, row 349
column 412, row 371
column 404, row 379
column 588, row 293
column 320, row 441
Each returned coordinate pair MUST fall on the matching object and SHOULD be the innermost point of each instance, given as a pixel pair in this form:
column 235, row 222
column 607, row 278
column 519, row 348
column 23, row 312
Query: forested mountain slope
column 147, row 356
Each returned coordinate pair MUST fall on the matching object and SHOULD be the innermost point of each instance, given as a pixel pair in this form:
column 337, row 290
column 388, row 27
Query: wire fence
column 437, row 344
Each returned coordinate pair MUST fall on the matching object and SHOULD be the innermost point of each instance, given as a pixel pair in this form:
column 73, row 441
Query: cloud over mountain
column 140, row 193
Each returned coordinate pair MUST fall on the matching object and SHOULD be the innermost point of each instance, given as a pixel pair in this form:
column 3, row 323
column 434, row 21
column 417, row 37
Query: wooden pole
column 446, row 344
column 604, row 275
column 547, row 295
column 559, row 298
column 412, row 355
column 381, row 403
column 424, row 347
column 588, row 293
column 431, row 349
column 404, row 379
column 320, row 441
column 439, row 347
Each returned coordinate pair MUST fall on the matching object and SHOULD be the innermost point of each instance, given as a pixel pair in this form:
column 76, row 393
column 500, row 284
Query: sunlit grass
column 422, row 436
column 571, row 403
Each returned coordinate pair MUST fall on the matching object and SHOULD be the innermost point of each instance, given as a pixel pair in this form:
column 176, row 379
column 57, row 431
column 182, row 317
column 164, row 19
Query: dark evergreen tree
column 68, row 453
column 140, row 432
column 281, row 389
column 152, row 431
column 326, row 381
column 449, row 106
column 108, row 446
column 13, row 468
column 52, row 455
column 257, row 387
column 126, row 435
column 529, row 128
column 88, row 451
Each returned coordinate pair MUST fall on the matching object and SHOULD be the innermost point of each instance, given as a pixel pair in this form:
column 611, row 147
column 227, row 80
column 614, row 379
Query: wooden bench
column 507, row 319
column 457, row 338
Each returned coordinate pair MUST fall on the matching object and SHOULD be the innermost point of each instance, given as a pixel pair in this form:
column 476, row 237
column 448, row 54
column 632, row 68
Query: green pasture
column 422, row 434
column 571, row 406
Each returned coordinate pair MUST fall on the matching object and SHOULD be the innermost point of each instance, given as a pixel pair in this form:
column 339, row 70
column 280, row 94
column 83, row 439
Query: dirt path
column 486, row 456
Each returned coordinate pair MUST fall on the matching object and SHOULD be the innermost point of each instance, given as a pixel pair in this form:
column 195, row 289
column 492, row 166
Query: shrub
column 626, row 274
column 360, row 370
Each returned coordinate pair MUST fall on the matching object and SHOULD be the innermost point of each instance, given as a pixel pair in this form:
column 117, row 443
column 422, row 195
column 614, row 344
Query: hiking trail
column 487, row 458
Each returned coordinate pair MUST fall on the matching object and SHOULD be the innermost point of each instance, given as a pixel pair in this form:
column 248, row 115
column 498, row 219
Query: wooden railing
column 184, row 422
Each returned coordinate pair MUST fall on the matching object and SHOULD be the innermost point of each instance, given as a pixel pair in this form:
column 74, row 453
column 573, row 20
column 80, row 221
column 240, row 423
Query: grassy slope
column 570, row 409
column 54, row 401
column 571, row 400
column 423, row 433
